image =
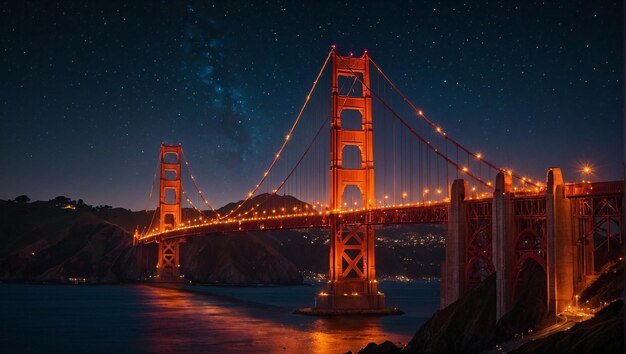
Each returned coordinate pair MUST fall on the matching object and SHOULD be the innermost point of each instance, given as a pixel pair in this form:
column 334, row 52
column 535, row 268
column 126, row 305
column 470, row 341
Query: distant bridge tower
column 168, row 266
column 352, row 274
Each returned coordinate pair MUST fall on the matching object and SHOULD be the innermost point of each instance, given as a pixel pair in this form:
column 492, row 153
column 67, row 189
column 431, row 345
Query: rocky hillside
column 466, row 326
column 604, row 333
column 44, row 242
column 267, row 202
column 469, row 326
column 47, row 241
column 239, row 258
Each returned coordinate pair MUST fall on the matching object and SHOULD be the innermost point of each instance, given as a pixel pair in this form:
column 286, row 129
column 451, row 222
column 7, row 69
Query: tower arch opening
column 170, row 158
column 351, row 157
column 352, row 198
column 351, row 119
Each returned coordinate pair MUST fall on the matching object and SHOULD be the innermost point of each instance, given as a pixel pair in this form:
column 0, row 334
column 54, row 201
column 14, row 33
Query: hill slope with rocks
column 469, row 324
column 68, row 242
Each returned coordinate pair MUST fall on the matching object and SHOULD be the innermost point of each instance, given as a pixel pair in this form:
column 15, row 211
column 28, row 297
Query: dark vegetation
column 64, row 240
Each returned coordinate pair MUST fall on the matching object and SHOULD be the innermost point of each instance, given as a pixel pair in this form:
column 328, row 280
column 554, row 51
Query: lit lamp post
column 576, row 303
column 586, row 173
column 403, row 197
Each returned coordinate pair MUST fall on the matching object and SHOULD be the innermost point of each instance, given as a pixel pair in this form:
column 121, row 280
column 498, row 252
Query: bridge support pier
column 549, row 236
column 168, row 264
column 561, row 244
column 453, row 267
column 502, row 241
column 352, row 284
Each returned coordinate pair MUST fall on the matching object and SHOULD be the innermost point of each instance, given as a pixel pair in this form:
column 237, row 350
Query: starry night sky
column 89, row 89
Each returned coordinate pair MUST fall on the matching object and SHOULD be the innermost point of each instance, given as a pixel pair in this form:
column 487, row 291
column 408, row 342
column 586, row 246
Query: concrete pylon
column 453, row 268
column 502, row 240
column 561, row 244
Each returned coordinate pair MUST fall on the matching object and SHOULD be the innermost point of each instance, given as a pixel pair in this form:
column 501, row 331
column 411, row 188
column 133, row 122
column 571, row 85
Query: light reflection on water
column 238, row 320
column 226, row 327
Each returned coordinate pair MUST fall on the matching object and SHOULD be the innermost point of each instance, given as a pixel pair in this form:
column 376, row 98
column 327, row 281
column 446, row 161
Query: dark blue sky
column 90, row 89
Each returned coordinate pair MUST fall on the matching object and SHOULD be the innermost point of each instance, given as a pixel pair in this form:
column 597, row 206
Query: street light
column 586, row 171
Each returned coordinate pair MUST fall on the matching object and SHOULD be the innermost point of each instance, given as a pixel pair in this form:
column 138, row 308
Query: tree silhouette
column 60, row 201
column 22, row 199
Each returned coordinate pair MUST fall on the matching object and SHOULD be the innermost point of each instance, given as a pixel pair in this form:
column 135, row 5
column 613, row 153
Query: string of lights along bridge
column 360, row 153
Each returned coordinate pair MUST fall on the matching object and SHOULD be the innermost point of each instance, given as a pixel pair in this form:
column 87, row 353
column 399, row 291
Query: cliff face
column 530, row 310
column 604, row 333
column 466, row 326
column 469, row 325
column 43, row 242
column 606, row 288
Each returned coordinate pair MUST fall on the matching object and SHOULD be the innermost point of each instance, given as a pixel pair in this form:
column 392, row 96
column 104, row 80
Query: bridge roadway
column 426, row 213
column 420, row 213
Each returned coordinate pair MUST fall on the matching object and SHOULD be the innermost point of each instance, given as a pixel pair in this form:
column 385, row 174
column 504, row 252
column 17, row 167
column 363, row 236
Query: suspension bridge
column 498, row 220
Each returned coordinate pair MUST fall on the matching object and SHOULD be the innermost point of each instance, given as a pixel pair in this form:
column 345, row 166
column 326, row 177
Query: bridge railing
column 573, row 190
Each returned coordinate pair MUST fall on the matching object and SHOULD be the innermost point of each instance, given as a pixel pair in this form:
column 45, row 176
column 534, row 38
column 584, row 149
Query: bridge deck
column 429, row 213
column 422, row 213
column 596, row 189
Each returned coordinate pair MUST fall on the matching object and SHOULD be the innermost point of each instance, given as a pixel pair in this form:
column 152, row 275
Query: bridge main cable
column 397, row 116
column 438, row 129
column 293, row 127
column 154, row 179
column 304, row 154
column 195, row 184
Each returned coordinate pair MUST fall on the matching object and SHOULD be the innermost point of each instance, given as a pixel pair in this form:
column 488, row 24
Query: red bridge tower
column 168, row 266
column 352, row 283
